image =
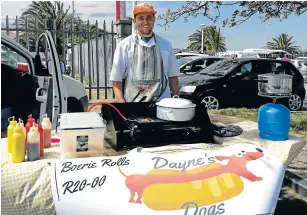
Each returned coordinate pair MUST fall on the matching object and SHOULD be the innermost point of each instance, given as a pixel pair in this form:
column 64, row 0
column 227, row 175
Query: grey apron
column 145, row 80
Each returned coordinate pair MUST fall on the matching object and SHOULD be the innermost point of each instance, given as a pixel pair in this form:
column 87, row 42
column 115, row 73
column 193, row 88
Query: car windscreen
column 183, row 60
column 219, row 68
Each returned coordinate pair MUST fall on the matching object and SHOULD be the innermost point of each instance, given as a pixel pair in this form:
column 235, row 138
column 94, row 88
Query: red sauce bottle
column 41, row 140
column 29, row 124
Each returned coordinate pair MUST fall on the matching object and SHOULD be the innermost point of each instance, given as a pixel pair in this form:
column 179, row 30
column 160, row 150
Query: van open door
column 51, row 93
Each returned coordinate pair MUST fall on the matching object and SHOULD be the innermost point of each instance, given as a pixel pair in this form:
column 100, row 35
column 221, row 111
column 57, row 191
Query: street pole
column 202, row 27
column 267, row 33
column 202, row 41
column 133, row 25
column 72, row 40
column 73, row 9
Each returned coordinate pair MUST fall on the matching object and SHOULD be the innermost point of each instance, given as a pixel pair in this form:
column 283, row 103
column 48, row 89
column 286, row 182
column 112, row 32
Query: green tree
column 283, row 42
column 213, row 40
column 242, row 11
column 52, row 15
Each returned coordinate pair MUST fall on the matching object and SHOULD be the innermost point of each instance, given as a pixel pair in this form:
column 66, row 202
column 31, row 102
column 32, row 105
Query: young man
column 144, row 66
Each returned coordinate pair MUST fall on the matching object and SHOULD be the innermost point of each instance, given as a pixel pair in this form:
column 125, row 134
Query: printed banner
column 242, row 179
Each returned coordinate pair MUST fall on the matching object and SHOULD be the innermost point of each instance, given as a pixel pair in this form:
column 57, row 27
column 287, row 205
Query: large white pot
column 175, row 109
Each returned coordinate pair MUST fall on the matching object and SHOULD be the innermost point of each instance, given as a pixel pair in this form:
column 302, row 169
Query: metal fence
column 88, row 60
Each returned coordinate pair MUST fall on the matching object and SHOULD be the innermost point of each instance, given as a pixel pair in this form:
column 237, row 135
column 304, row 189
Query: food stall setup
column 168, row 157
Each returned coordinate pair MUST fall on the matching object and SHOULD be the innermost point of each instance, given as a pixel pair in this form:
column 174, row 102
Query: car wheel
column 73, row 106
column 295, row 102
column 210, row 102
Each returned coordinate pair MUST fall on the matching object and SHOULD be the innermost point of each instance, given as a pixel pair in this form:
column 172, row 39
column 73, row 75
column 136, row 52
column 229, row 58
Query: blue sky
column 251, row 34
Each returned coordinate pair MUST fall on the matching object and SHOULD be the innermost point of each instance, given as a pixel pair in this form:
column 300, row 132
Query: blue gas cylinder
column 274, row 122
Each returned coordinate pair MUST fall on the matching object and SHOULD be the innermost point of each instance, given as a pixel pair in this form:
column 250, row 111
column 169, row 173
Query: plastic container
column 18, row 144
column 47, row 127
column 22, row 127
column 10, row 131
column 20, row 122
column 41, row 140
column 33, row 139
column 81, row 135
column 29, row 124
column 274, row 122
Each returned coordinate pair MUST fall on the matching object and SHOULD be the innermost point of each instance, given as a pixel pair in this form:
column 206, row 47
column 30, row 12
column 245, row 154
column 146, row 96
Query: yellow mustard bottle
column 22, row 126
column 18, row 145
column 10, row 131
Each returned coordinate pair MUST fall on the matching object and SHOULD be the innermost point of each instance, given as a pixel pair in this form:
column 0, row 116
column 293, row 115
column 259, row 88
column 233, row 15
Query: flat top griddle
column 143, row 128
column 150, row 122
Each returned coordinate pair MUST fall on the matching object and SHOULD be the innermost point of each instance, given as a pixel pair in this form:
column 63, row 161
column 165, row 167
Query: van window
column 13, row 59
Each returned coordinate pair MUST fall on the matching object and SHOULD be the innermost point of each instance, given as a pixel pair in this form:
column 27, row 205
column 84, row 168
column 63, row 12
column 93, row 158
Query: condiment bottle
column 29, row 124
column 47, row 126
column 33, row 139
column 10, row 131
column 18, row 144
column 41, row 141
column 20, row 121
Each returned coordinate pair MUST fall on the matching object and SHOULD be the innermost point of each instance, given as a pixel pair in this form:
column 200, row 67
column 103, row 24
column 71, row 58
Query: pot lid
column 175, row 103
column 275, row 75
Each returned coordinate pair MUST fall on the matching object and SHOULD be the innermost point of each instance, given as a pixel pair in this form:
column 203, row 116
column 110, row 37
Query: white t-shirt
column 126, row 47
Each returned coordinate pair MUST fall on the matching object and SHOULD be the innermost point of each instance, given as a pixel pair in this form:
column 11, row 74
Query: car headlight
column 187, row 89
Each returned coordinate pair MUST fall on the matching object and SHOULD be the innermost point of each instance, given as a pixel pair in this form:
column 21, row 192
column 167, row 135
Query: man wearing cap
column 144, row 67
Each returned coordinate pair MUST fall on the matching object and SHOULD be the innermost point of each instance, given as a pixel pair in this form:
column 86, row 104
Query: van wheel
column 211, row 102
column 73, row 106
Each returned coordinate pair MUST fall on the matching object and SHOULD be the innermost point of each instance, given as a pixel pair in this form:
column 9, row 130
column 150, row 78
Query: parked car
column 301, row 58
column 233, row 83
column 188, row 54
column 301, row 65
column 193, row 65
column 77, row 100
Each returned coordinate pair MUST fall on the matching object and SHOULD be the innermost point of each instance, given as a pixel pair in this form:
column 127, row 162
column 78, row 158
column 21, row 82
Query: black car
column 194, row 64
column 234, row 83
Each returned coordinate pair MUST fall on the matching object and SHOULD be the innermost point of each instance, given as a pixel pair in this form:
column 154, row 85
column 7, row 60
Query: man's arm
column 173, row 73
column 118, row 91
column 117, row 73
column 174, row 85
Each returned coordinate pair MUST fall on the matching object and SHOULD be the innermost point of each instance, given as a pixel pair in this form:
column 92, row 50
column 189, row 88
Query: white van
column 58, row 93
column 262, row 53
column 188, row 54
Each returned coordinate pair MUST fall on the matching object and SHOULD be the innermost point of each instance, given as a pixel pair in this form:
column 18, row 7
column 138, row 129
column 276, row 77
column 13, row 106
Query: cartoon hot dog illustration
column 205, row 185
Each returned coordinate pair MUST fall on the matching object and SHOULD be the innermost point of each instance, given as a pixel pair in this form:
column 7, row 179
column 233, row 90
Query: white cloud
column 13, row 9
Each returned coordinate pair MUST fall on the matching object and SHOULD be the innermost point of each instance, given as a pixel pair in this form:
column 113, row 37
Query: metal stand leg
column 274, row 100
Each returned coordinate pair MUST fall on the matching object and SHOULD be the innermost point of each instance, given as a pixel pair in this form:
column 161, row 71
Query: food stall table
column 26, row 188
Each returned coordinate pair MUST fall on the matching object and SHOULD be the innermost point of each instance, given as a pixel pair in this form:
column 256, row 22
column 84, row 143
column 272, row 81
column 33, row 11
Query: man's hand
column 118, row 91
column 174, row 85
